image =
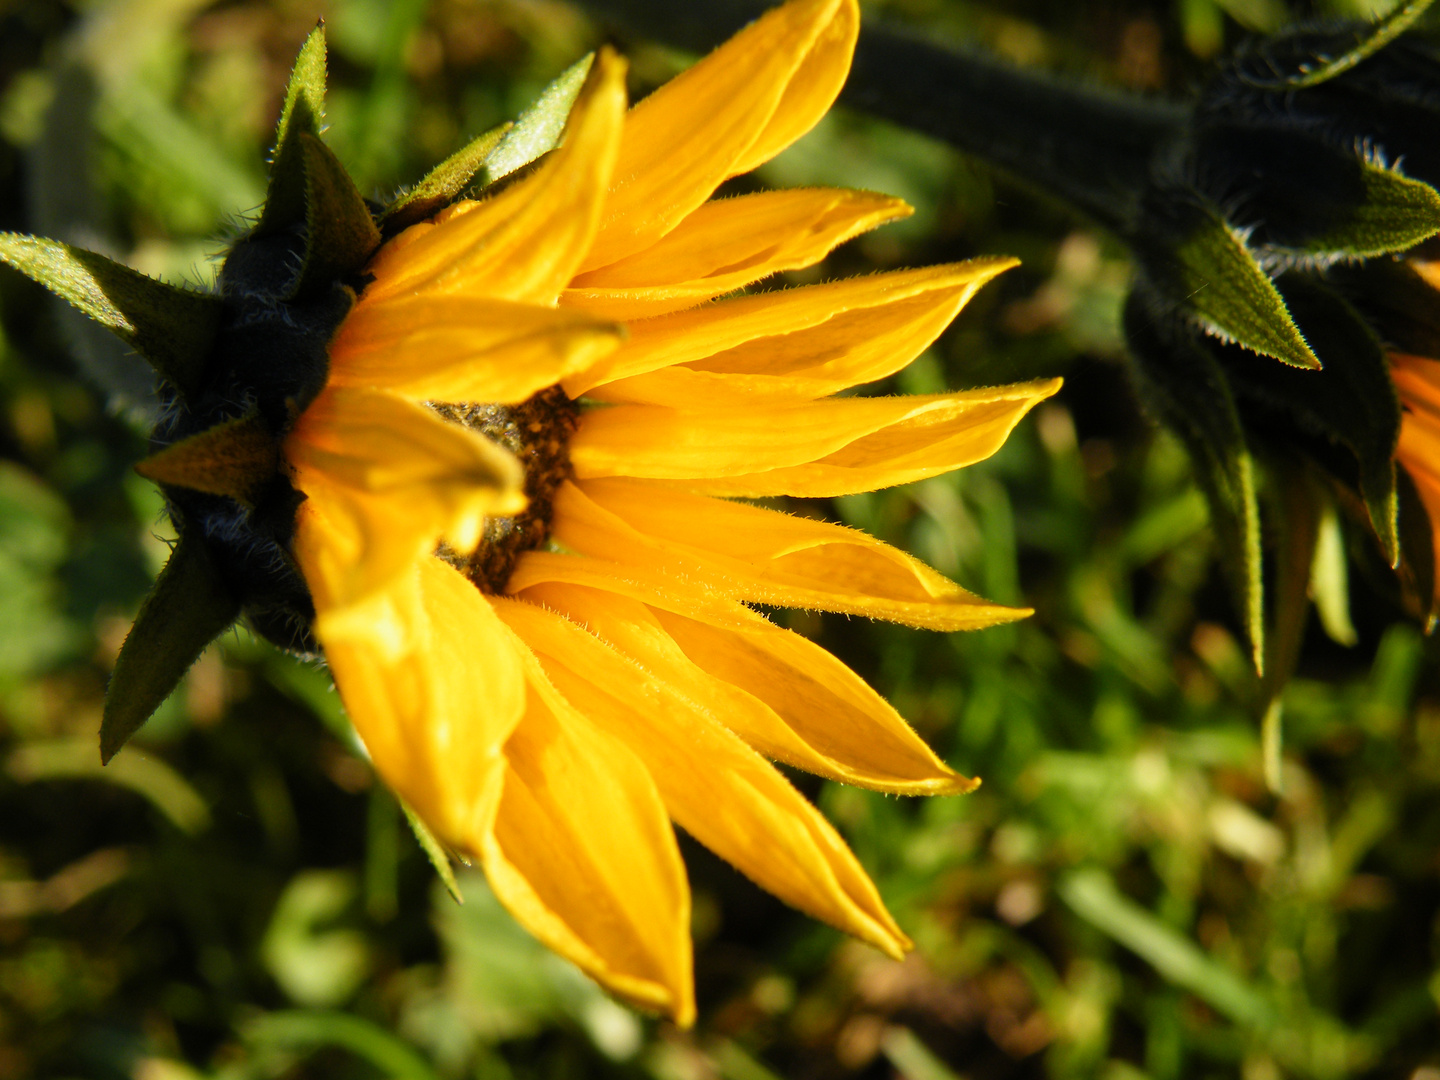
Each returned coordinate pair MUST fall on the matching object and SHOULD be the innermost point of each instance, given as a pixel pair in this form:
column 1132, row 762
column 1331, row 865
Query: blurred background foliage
column 235, row 897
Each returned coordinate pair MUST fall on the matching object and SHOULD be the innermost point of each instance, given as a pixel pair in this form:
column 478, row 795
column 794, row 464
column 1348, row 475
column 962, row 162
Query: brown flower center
column 537, row 431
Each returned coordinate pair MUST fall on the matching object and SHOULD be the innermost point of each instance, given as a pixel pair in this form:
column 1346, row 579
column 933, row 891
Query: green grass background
column 235, row 896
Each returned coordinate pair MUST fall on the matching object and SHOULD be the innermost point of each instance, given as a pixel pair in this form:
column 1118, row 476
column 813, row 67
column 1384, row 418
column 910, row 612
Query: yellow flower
column 579, row 667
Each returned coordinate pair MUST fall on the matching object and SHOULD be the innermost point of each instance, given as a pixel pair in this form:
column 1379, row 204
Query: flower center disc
column 537, row 431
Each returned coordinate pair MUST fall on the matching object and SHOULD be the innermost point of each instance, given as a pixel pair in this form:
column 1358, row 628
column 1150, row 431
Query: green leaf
column 540, row 127
column 302, row 114
column 1092, row 895
column 1351, row 403
column 340, row 234
column 1191, row 393
column 309, row 1030
column 172, row 328
column 149, row 777
column 442, row 185
column 1390, row 213
column 189, row 606
column 433, row 851
column 1207, row 270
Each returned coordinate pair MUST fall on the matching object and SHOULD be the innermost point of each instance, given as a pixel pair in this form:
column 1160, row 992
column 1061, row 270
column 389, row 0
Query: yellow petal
column 830, row 714
column 763, row 556
column 583, row 855
column 727, row 244
column 714, row 786
column 738, row 107
column 818, row 448
column 869, row 746
column 435, row 709
column 761, row 334
column 525, row 243
column 394, row 479
column 465, row 348
column 644, row 583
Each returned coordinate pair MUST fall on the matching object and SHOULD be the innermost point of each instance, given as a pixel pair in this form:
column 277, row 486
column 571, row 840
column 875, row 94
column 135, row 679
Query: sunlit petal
column 768, row 831
column 434, row 692
column 583, row 855
column 396, row 479
column 819, row 448
column 738, row 107
column 763, row 556
column 525, row 243
column 762, row 334
column 465, row 348
column 727, row 244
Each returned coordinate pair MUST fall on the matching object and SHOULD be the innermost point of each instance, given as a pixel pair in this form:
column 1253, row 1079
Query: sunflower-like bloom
column 488, row 465
column 550, row 709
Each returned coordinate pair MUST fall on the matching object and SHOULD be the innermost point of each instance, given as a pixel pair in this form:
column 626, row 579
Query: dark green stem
column 1090, row 149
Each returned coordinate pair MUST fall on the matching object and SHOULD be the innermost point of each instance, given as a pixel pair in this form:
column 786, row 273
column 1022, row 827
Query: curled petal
column 767, row 830
column 828, row 722
column 434, row 686
column 525, row 243
column 393, row 479
column 727, row 244
column 819, row 332
column 818, row 448
column 741, row 105
column 465, row 348
column 582, row 854
column 763, row 556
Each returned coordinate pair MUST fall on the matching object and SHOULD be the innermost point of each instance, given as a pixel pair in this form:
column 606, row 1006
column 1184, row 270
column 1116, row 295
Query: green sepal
column 434, row 851
column 238, row 458
column 1192, row 395
column 1389, row 213
column 189, row 606
column 302, row 114
column 1206, row 269
column 1352, row 402
column 442, row 185
column 540, row 127
column 340, row 234
column 1296, row 508
column 1330, row 568
column 171, row 327
column 1417, row 551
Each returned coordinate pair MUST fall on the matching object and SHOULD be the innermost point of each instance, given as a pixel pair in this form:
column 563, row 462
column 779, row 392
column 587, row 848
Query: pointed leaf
column 1394, row 213
column 1191, row 393
column 302, row 114
column 1205, row 268
column 434, row 851
column 237, row 458
column 1390, row 213
column 340, row 234
column 172, row 328
column 189, row 606
column 1309, row 198
column 443, row 184
column 540, row 127
column 1351, row 403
